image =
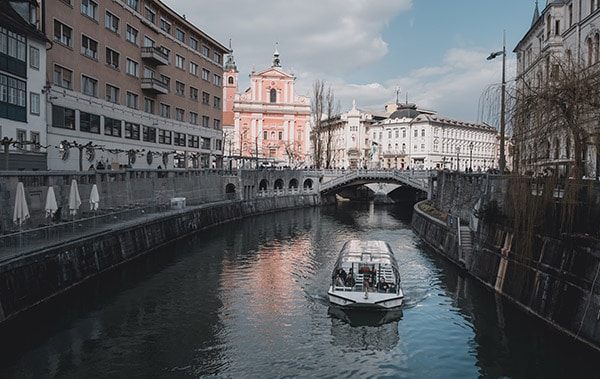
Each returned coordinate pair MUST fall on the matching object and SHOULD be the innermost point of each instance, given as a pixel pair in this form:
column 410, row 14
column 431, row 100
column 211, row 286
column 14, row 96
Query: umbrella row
column 21, row 211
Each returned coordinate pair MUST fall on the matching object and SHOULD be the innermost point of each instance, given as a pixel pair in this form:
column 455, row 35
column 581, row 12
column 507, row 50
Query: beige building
column 131, row 82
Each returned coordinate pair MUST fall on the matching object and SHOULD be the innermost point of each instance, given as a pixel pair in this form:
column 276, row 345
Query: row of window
column 89, row 8
column 13, row 44
column 65, row 118
column 447, row 133
column 13, row 91
column 63, row 77
column 90, row 48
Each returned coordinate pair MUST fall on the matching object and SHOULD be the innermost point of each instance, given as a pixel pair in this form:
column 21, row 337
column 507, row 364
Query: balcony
column 155, row 55
column 154, row 86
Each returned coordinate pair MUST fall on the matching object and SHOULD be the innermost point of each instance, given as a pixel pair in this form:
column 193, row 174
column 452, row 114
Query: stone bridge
column 335, row 179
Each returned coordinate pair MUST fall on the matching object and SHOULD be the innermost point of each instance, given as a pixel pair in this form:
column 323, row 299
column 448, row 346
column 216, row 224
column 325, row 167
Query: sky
column 433, row 51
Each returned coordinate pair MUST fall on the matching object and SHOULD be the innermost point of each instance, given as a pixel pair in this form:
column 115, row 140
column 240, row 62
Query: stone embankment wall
column 35, row 278
column 559, row 282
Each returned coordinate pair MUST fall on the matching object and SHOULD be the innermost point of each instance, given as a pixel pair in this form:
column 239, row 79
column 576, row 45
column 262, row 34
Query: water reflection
column 364, row 330
column 248, row 299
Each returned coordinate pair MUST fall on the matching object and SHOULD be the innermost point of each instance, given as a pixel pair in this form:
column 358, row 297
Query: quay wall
column 558, row 283
column 34, row 278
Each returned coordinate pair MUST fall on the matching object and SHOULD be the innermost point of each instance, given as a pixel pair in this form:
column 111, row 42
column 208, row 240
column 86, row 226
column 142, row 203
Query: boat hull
column 365, row 300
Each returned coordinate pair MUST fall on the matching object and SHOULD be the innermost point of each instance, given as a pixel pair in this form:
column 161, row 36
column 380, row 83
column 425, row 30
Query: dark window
column 112, row 127
column 149, row 134
column 132, row 131
column 89, row 122
column 63, row 117
column 273, row 95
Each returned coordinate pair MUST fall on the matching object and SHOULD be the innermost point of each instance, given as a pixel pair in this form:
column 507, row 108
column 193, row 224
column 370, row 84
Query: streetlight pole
column 471, row 157
column 502, row 159
column 457, row 158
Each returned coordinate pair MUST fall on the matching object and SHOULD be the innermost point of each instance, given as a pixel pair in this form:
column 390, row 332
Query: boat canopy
column 366, row 252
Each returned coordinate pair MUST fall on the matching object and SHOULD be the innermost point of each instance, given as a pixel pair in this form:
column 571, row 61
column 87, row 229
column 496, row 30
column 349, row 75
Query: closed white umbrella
column 74, row 199
column 94, row 198
column 21, row 212
column 51, row 205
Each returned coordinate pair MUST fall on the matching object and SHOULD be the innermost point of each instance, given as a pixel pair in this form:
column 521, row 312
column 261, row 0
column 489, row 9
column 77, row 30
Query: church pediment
column 274, row 72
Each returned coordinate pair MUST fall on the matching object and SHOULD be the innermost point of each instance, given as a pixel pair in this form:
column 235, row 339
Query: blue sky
column 433, row 50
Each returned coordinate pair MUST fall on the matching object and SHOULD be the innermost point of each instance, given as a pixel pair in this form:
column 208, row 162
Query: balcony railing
column 156, row 55
column 154, row 85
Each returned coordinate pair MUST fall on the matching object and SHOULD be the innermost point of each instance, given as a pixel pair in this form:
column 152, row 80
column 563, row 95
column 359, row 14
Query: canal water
column 248, row 300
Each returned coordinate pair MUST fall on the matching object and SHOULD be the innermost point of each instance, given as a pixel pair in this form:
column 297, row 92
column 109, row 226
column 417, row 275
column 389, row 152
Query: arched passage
column 293, row 184
column 230, row 191
column 278, row 184
column 308, row 184
column 263, row 185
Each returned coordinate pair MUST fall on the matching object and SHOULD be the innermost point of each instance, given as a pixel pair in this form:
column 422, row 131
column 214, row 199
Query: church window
column 273, row 95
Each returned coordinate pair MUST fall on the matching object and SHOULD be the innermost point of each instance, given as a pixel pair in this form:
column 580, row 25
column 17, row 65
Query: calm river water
column 248, row 300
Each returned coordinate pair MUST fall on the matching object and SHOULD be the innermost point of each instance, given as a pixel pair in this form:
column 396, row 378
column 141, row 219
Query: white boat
column 375, row 282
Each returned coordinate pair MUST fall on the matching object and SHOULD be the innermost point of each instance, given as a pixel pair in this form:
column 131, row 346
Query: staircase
column 466, row 239
column 466, row 244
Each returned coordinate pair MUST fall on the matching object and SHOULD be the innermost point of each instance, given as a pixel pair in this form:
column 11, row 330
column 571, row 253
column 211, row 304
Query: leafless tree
column 324, row 109
column 555, row 118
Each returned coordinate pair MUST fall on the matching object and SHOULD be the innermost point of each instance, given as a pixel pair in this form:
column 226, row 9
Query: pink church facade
column 269, row 123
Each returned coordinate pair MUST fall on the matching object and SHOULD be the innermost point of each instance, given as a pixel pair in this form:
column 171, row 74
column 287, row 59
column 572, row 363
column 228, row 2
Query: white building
column 566, row 33
column 22, row 80
column 419, row 139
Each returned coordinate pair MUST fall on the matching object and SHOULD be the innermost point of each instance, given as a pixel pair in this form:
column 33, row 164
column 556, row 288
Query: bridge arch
column 417, row 183
column 278, row 184
column 308, row 184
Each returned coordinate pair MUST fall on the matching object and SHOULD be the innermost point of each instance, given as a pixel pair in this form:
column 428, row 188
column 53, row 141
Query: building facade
column 563, row 38
column 22, row 79
column 407, row 137
column 413, row 138
column 130, row 83
column 269, row 123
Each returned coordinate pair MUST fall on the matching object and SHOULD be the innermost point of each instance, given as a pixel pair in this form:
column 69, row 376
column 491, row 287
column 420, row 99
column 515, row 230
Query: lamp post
column 471, row 157
column 502, row 159
column 457, row 158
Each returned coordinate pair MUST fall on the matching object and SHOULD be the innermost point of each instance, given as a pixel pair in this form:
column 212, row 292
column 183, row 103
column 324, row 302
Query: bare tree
column 317, row 107
column 555, row 119
column 325, row 111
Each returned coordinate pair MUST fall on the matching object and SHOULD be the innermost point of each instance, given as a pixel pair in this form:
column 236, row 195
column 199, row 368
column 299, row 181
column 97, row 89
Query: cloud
column 452, row 89
column 324, row 37
column 332, row 40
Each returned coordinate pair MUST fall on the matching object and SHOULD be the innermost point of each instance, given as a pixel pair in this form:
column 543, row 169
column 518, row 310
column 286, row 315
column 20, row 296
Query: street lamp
column 457, row 158
column 471, row 157
column 502, row 159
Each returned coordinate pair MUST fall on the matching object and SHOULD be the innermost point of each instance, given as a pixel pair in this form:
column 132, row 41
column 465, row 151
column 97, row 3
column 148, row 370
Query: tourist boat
column 366, row 276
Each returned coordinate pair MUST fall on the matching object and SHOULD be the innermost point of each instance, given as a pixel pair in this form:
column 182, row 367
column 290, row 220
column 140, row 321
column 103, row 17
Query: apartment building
column 131, row 83
column 22, row 79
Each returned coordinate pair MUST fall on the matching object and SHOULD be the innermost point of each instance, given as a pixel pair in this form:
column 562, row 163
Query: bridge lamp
column 502, row 159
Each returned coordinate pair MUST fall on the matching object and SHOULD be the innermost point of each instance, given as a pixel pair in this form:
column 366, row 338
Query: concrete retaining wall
column 560, row 283
column 28, row 281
